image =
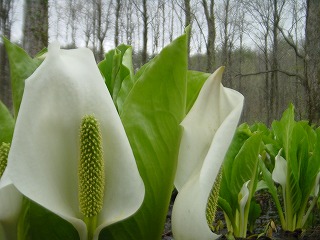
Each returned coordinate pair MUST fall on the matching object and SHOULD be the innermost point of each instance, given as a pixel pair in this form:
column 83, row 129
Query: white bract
column 279, row 173
column 10, row 206
column 208, row 131
column 45, row 150
column 243, row 199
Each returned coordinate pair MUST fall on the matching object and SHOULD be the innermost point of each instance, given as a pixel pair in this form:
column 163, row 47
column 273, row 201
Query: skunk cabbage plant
column 69, row 151
column 296, row 169
column 208, row 129
column 239, row 180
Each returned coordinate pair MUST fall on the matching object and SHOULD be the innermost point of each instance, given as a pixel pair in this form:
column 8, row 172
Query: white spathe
column 208, row 131
column 44, row 155
column 243, row 199
column 279, row 173
column 10, row 206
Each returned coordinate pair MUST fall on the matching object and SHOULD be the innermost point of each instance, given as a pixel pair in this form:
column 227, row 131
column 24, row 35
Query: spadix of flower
column 279, row 174
column 47, row 154
column 208, row 130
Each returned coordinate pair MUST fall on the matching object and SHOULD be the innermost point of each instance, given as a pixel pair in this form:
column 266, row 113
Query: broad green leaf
column 37, row 223
column 6, row 124
column 21, row 67
column 227, row 209
column 314, row 160
column 117, row 70
column 272, row 189
column 241, row 135
column 245, row 164
column 195, row 80
column 283, row 130
column 151, row 115
column 254, row 213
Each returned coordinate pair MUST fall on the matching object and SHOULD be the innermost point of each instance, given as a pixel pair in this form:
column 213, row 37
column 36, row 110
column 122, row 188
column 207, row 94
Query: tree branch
column 290, row 74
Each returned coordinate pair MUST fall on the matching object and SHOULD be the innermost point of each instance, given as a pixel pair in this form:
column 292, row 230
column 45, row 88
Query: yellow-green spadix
column 45, row 150
column 208, row 130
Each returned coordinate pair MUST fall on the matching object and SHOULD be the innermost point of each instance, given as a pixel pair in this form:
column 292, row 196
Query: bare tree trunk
column 313, row 59
column 187, row 10
column 129, row 23
column 210, row 17
column 225, row 45
column 6, row 7
column 145, row 32
column 35, row 29
column 275, row 64
column 116, row 31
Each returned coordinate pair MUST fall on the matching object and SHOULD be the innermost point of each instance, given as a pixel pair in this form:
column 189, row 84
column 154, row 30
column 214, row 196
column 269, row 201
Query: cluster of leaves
column 156, row 111
column 283, row 159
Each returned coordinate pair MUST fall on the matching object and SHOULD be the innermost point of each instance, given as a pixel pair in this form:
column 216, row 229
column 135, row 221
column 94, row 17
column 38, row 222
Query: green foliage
column 117, row 70
column 37, row 223
column 21, row 67
column 299, row 144
column 151, row 114
column 240, row 166
column 6, row 124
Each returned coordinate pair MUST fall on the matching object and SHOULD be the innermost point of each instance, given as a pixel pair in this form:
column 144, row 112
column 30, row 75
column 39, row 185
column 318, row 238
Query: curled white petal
column 43, row 160
column 208, row 130
column 279, row 173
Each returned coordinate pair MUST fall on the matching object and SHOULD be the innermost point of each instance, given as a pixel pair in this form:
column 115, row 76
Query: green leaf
column 21, row 67
column 151, row 116
column 37, row 223
column 245, row 164
column 227, row 209
column 283, row 130
column 195, row 81
column 272, row 189
column 117, row 70
column 254, row 213
column 6, row 124
column 241, row 135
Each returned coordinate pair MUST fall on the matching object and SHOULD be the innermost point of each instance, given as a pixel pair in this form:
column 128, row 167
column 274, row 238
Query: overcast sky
column 63, row 38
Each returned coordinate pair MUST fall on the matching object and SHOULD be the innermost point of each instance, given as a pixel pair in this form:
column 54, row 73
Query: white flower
column 279, row 173
column 45, row 150
column 208, row 130
column 10, row 206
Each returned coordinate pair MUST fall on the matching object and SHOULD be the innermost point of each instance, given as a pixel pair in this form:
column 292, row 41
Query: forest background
column 271, row 48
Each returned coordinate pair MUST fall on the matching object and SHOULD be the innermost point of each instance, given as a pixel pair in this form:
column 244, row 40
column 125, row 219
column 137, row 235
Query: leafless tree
column 312, row 59
column 101, row 14
column 73, row 8
column 227, row 16
column 117, row 20
column 210, row 43
column 35, row 32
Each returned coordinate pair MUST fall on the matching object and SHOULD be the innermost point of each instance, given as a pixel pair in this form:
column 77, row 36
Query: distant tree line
column 271, row 48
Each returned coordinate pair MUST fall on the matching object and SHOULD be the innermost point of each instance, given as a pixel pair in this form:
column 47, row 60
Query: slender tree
column 210, row 44
column 35, row 29
column 117, row 16
column 313, row 59
column 145, row 31
column 188, row 21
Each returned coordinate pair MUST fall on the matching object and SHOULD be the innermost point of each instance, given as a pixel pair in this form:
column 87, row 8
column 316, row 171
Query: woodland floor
column 268, row 214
